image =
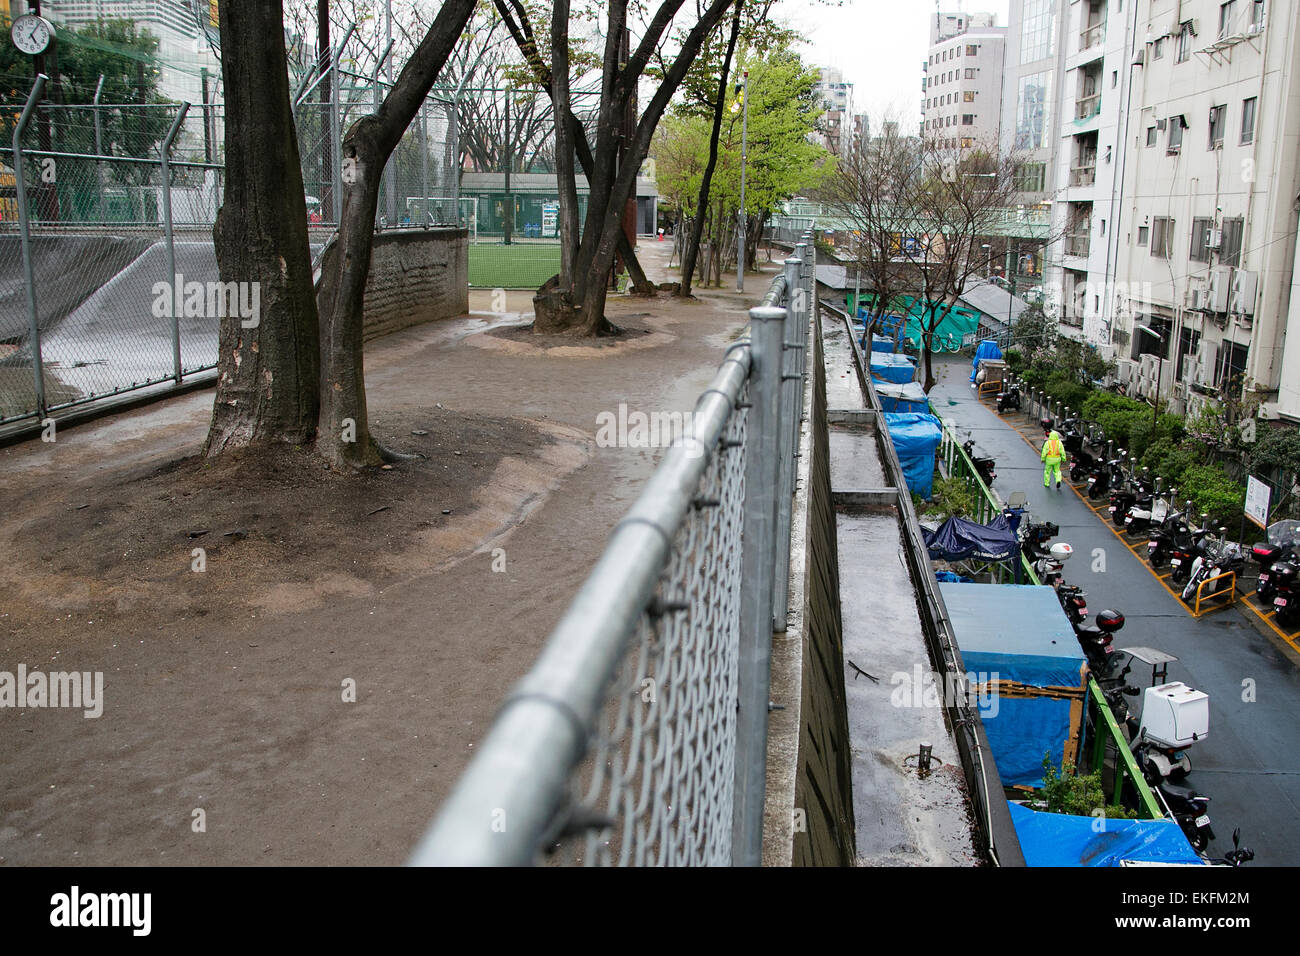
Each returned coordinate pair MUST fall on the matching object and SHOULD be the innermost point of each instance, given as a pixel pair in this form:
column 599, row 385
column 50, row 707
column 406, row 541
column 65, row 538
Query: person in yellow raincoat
column 1053, row 456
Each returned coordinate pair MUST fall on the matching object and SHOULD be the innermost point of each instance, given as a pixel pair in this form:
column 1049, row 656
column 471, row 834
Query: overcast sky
column 878, row 44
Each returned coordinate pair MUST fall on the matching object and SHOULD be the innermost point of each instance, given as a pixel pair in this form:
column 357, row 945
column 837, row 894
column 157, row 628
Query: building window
column 968, row 96
column 1033, row 106
column 1230, row 248
column 972, row 49
column 1151, row 135
column 968, row 119
column 970, row 74
column 1257, row 16
column 1227, row 13
column 1158, row 49
column 1144, row 235
column 1031, row 178
column 1218, row 120
column 1162, row 235
column 1038, row 33
column 1176, row 126
column 967, row 142
column 1248, row 108
column 1201, row 229
column 1185, row 42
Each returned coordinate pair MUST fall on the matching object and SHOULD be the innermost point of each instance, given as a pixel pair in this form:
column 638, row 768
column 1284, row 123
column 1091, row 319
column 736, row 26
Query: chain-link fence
column 639, row 736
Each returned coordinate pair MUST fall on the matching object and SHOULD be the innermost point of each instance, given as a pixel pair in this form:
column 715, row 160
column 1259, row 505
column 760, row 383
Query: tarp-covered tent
column 1019, row 636
column 1057, row 839
column 909, row 397
column 988, row 349
column 892, row 367
column 883, row 343
column 951, row 324
column 915, row 436
column 958, row 539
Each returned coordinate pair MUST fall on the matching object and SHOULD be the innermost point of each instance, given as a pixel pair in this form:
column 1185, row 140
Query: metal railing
column 639, row 735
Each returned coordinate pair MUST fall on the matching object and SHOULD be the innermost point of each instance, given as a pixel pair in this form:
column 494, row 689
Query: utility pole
column 744, row 159
column 508, row 207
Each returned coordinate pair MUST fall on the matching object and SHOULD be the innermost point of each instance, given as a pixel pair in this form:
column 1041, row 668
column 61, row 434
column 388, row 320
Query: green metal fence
column 523, row 264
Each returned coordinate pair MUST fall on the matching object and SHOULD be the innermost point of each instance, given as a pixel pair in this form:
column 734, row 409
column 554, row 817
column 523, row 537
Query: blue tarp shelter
column 1057, row 839
column 958, row 539
column 909, row 397
column 988, row 349
column 892, row 367
column 1019, row 634
column 883, row 343
column 915, row 436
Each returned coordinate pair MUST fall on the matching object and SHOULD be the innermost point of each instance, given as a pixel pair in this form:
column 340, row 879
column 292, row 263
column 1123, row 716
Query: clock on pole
column 32, row 34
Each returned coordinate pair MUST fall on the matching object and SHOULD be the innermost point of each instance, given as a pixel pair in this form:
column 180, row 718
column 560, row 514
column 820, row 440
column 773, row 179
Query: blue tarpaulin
column 915, row 436
column 1018, row 633
column 988, row 349
column 908, row 397
column 883, row 343
column 892, row 367
column 960, row 538
column 1057, row 839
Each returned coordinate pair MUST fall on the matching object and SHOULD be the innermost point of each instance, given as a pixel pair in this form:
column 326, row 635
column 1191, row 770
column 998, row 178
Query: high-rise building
column 1031, row 92
column 962, row 83
column 1205, row 247
column 835, row 125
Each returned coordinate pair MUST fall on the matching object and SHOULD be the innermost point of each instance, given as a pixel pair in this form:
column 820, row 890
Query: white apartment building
column 962, row 82
column 1032, row 92
column 1204, row 243
column 835, row 125
column 1090, row 127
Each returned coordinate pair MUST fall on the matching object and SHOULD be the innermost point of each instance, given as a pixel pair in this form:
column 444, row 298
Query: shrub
column 1170, row 459
column 1170, row 426
column 1069, row 393
column 1078, row 795
column 1015, row 359
column 951, row 497
column 1213, row 492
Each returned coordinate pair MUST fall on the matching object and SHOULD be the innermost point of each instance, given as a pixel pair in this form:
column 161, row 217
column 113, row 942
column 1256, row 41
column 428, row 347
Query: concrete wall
column 416, row 275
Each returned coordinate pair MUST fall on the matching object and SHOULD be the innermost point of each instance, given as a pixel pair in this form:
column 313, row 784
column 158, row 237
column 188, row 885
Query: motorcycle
column 1074, row 602
column 1009, row 397
column 1282, row 581
column 1103, row 477
column 983, row 466
column 1097, row 641
column 1125, row 495
column 1283, row 544
column 1219, row 557
column 1049, row 567
column 1174, row 717
column 1190, row 809
column 1033, row 542
column 1236, row 856
column 1145, row 512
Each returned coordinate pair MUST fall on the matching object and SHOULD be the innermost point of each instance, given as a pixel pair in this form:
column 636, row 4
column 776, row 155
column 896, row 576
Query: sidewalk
column 225, row 691
column 1250, row 763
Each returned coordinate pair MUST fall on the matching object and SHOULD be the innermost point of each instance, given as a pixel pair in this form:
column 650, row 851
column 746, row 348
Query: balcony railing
column 1092, row 36
column 1078, row 244
column 1087, row 106
column 1083, row 175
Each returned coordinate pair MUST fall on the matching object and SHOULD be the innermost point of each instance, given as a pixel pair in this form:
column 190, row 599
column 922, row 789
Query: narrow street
column 1250, row 763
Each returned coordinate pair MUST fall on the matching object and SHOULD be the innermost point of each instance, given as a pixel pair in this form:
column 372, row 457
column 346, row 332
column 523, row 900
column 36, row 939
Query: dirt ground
column 225, row 687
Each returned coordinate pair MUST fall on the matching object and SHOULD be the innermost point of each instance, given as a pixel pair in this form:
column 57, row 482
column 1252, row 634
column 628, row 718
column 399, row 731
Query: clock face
column 32, row 34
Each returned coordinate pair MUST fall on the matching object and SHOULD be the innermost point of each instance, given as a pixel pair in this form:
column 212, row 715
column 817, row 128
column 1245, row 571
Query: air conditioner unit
column 1206, row 359
column 1245, row 289
column 1213, row 238
column 1124, row 371
column 1161, row 124
column 1220, row 289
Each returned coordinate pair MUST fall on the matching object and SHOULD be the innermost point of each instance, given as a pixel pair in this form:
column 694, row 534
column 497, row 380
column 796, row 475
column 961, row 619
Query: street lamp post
column 1160, row 368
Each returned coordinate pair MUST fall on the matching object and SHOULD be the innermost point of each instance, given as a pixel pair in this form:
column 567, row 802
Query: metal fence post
column 791, row 386
column 767, row 330
column 24, row 228
column 172, row 283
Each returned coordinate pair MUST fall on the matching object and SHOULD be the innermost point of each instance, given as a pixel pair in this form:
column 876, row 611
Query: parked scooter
column 1146, row 511
column 983, row 466
column 1049, row 567
column 1236, row 856
column 1033, row 542
column 1103, row 477
column 1134, row 490
column 1009, row 398
column 1174, row 717
column 1284, row 583
column 1097, row 641
column 1283, row 544
column 1074, row 602
column 1190, row 809
column 1219, row 557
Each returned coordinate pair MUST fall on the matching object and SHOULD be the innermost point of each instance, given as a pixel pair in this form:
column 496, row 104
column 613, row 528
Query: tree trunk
column 268, row 362
column 697, row 229
column 343, row 436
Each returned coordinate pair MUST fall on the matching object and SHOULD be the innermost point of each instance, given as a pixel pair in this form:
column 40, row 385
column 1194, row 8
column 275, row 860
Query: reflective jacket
column 1054, row 449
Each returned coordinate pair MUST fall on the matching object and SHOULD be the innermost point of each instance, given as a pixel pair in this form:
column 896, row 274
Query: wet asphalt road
column 1250, row 764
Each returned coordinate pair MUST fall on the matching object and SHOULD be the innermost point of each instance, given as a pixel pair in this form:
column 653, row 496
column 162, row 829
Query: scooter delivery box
column 1175, row 715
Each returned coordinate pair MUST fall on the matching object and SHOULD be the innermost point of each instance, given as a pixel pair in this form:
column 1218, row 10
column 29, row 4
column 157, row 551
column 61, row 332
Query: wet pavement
column 1250, row 763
